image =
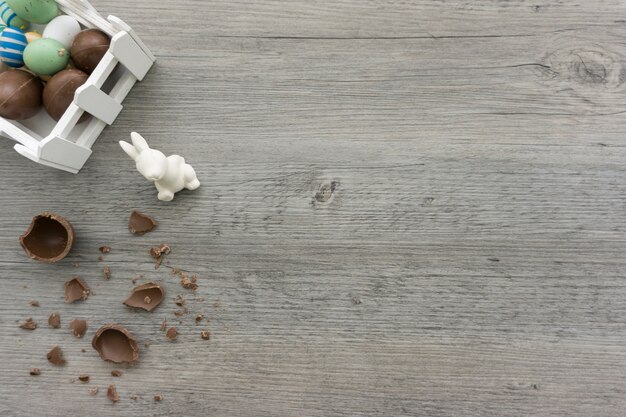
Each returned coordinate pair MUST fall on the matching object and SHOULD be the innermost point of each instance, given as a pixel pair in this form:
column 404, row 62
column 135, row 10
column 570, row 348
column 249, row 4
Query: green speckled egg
column 46, row 56
column 35, row 11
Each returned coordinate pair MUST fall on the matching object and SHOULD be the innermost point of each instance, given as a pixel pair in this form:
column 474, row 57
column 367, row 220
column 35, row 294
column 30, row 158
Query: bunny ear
column 139, row 142
column 129, row 149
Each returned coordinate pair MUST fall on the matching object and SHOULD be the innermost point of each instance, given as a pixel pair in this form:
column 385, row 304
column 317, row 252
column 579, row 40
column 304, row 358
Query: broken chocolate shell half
column 76, row 289
column 147, row 296
column 49, row 238
column 115, row 344
column 140, row 223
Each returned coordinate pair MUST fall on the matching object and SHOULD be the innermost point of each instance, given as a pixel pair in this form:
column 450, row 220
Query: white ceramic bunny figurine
column 170, row 174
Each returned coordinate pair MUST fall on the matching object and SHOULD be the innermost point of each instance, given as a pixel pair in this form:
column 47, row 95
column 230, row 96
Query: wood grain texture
column 409, row 208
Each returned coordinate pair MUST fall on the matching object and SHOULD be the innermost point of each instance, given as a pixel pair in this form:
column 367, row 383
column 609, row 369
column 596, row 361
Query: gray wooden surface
column 409, row 208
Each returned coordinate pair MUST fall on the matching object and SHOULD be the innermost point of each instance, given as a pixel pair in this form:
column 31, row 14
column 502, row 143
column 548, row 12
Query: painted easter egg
column 35, row 11
column 12, row 45
column 63, row 29
column 32, row 36
column 20, row 94
column 46, row 56
column 9, row 17
column 88, row 48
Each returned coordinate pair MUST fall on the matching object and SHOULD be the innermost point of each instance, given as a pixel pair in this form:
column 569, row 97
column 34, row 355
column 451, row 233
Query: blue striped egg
column 12, row 44
column 9, row 17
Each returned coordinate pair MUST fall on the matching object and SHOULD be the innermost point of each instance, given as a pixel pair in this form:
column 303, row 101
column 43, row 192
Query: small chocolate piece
column 55, row 356
column 188, row 283
column 28, row 324
column 159, row 251
column 59, row 92
column 20, row 94
column 133, row 397
column 34, row 303
column 49, row 238
column 172, row 333
column 205, row 335
column 76, row 289
column 84, row 378
column 199, row 318
column 35, row 371
column 179, row 300
column 54, row 320
column 116, row 373
column 163, row 325
column 106, row 272
column 140, row 223
column 104, row 249
column 114, row 343
column 158, row 398
column 112, row 394
column 79, row 327
column 94, row 391
column 88, row 48
column 147, row 296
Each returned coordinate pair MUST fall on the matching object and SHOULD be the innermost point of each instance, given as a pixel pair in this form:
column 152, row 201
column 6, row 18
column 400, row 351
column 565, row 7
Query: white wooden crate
column 65, row 144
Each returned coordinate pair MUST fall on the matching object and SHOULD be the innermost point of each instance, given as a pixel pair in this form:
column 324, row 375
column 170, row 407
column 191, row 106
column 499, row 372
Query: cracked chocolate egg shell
column 147, row 296
column 114, row 343
column 49, row 238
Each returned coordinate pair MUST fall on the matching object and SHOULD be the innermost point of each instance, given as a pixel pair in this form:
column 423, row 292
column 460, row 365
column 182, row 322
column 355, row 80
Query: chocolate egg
column 10, row 18
column 46, row 56
column 34, row 11
column 20, row 94
column 62, row 29
column 88, row 48
column 59, row 92
column 49, row 238
column 12, row 45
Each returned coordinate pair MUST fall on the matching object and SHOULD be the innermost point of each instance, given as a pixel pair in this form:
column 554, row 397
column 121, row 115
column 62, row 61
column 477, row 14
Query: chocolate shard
column 84, row 378
column 29, row 324
column 106, row 273
column 205, row 335
column 139, row 223
column 114, row 343
column 104, row 249
column 163, row 325
column 112, row 394
column 147, row 296
column 35, row 371
column 93, row 391
column 199, row 318
column 116, row 373
column 34, row 303
column 55, row 356
column 76, row 289
column 49, row 238
column 158, row 397
column 172, row 333
column 79, row 327
column 54, row 320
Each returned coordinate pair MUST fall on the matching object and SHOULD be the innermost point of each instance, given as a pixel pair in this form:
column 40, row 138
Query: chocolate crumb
column 139, row 223
column 106, row 272
column 199, row 318
column 35, row 371
column 84, row 378
column 205, row 335
column 116, row 373
column 34, row 303
column 179, row 300
column 133, row 397
column 100, row 258
column 83, row 350
column 163, row 325
column 104, row 249
column 172, row 333
column 94, row 391
column 76, row 289
column 158, row 398
column 181, row 312
column 55, row 356
column 112, row 394
column 54, row 320
column 29, row 324
column 79, row 327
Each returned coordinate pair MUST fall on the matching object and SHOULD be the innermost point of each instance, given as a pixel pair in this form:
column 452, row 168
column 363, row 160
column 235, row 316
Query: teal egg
column 35, row 11
column 46, row 56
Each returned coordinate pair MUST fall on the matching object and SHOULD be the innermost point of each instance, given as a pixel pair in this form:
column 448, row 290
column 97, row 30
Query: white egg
column 62, row 29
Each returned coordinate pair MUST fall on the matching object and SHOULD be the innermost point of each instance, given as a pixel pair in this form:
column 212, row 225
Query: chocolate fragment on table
column 172, row 333
column 49, row 238
column 94, row 391
column 55, row 356
column 54, row 320
column 116, row 373
column 106, row 273
column 112, row 393
column 79, row 327
column 140, row 223
column 35, row 371
column 84, row 378
column 34, row 303
column 205, row 335
column 104, row 249
column 158, row 398
column 114, row 343
column 28, row 324
column 76, row 290
column 147, row 296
